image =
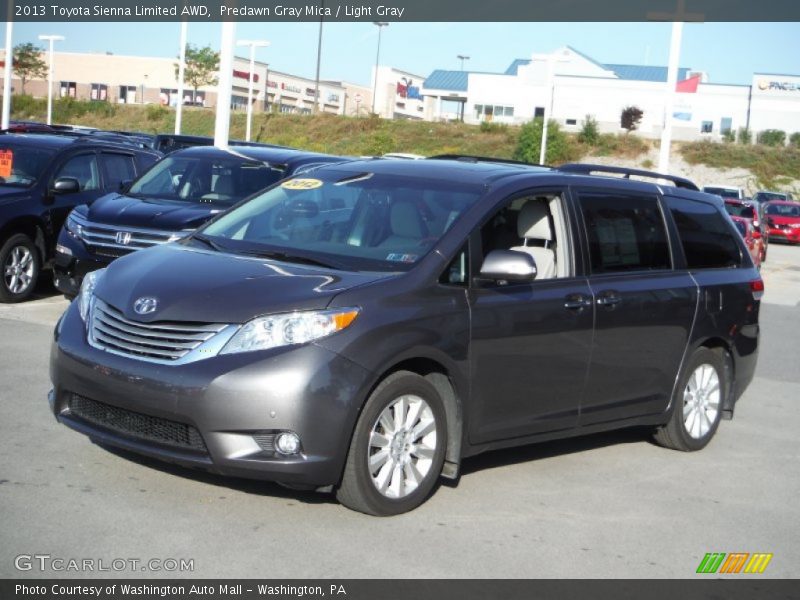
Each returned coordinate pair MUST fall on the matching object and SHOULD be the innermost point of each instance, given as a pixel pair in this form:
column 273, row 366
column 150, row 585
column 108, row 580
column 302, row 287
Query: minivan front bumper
column 220, row 414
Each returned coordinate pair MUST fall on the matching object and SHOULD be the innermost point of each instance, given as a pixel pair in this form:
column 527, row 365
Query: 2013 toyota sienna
column 364, row 328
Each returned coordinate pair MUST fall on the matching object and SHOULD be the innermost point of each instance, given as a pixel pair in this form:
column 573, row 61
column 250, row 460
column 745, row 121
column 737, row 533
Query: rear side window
column 119, row 168
column 706, row 235
column 625, row 233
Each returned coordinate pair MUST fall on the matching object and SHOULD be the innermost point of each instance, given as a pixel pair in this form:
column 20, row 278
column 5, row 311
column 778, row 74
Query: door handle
column 609, row 298
column 577, row 302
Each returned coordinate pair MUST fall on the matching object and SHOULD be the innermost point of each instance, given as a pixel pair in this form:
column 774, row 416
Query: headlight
column 288, row 329
column 794, row 225
column 87, row 291
column 73, row 226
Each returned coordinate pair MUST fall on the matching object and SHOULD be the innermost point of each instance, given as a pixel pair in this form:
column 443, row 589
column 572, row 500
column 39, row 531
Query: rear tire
column 19, row 268
column 398, row 447
column 697, row 403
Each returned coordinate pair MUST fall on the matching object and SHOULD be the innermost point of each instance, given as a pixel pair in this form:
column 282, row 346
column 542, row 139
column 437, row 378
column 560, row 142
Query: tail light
column 757, row 288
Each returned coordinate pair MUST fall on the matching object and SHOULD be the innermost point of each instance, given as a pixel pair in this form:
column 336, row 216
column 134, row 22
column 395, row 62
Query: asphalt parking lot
column 611, row 505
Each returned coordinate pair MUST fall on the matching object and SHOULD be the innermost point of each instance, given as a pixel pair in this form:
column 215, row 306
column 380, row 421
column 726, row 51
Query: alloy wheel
column 701, row 399
column 18, row 270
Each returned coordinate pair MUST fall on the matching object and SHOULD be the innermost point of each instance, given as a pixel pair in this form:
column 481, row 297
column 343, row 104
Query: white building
column 570, row 85
column 397, row 94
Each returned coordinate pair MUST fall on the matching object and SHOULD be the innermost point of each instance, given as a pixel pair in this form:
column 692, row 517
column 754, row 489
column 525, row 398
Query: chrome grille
column 160, row 340
column 110, row 240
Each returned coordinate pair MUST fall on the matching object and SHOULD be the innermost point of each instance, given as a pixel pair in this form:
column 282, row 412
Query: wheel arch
column 725, row 347
column 31, row 227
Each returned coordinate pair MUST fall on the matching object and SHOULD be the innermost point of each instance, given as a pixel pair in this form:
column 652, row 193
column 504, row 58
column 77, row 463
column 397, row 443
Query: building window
column 68, row 89
column 707, row 127
column 538, row 112
column 168, row 97
column 488, row 112
column 400, row 104
column 99, row 92
column 127, row 94
column 572, row 121
column 725, row 125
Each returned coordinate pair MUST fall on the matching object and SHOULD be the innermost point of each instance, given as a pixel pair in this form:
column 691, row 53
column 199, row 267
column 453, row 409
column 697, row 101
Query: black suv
column 42, row 177
column 180, row 193
column 365, row 327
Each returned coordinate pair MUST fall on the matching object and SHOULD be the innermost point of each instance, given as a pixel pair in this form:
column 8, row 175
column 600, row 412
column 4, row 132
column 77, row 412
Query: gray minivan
column 364, row 328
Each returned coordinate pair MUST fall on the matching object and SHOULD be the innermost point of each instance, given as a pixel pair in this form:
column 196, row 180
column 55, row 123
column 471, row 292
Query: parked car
column 365, row 327
column 176, row 196
column 783, row 221
column 725, row 191
column 750, row 211
column 42, row 177
column 752, row 239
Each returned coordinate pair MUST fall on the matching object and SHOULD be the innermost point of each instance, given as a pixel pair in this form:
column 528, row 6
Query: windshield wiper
column 294, row 258
column 207, row 241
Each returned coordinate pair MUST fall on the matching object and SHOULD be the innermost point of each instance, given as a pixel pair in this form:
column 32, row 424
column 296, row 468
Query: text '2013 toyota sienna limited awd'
column 365, row 327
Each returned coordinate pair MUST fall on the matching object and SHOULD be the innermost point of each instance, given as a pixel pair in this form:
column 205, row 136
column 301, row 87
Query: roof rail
column 588, row 169
column 477, row 159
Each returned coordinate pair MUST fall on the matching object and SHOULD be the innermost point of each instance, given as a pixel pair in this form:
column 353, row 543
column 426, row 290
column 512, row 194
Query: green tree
column 590, row 133
column 201, row 68
column 28, row 63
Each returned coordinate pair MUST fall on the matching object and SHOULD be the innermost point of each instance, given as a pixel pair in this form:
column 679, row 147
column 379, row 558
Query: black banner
column 400, row 10
column 744, row 588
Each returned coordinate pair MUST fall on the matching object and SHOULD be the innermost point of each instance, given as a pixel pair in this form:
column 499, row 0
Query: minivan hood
column 192, row 284
column 165, row 215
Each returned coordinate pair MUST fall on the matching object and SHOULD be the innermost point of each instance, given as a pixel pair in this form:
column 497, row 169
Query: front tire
column 697, row 404
column 19, row 268
column 398, row 447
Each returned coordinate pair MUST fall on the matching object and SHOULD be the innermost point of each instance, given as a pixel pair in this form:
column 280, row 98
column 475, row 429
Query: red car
column 746, row 210
column 783, row 220
column 752, row 237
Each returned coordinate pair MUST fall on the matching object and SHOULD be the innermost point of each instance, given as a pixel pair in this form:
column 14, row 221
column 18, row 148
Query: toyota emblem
column 123, row 237
column 145, row 305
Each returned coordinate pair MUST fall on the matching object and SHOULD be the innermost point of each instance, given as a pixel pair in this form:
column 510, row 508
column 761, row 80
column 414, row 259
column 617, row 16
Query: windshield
column 724, row 192
column 21, row 166
column 767, row 196
column 783, row 210
column 205, row 179
column 740, row 210
column 362, row 222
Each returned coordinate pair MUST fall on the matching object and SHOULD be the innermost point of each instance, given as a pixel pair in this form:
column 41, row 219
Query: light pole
column 9, row 72
column 319, row 59
column 462, row 58
column 380, row 25
column 181, row 76
column 52, row 39
column 672, row 78
column 222, row 122
column 253, row 45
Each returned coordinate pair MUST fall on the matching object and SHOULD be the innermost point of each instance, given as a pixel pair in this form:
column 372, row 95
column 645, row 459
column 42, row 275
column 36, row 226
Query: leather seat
column 533, row 224
column 406, row 225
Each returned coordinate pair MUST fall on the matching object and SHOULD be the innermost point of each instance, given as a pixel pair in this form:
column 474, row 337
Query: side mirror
column 508, row 265
column 125, row 184
column 66, row 185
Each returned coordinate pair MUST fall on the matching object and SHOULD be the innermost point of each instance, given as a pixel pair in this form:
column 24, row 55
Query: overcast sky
column 728, row 52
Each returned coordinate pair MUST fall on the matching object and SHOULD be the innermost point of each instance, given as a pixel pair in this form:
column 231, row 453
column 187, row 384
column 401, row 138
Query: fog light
column 287, row 443
column 63, row 250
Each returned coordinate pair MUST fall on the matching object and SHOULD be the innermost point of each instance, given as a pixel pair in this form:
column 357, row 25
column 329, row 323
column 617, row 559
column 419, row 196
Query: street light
column 253, row 45
column 380, row 25
column 462, row 58
column 9, row 72
column 52, row 39
column 181, row 77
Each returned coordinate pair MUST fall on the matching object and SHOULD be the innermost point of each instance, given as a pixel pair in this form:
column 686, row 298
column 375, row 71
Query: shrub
column 729, row 136
column 560, row 147
column 772, row 137
column 744, row 136
column 490, row 127
column 155, row 112
column 589, row 134
column 794, row 139
column 631, row 117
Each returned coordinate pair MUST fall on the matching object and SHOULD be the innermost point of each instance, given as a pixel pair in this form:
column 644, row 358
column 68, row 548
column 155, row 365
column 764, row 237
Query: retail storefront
column 568, row 86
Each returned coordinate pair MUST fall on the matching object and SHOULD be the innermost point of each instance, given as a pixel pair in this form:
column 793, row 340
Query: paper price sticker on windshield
column 6, row 162
column 301, row 184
